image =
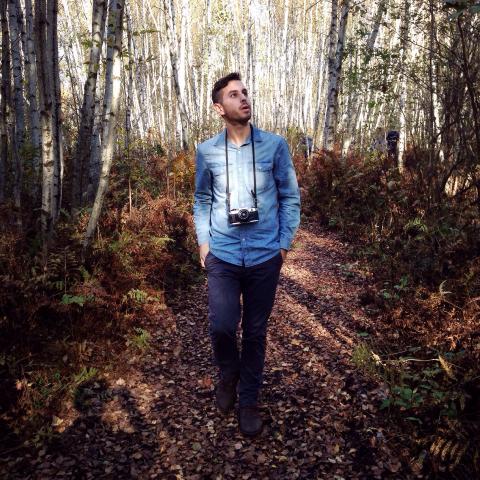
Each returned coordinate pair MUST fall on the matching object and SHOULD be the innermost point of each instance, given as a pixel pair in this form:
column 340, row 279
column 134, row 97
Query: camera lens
column 243, row 214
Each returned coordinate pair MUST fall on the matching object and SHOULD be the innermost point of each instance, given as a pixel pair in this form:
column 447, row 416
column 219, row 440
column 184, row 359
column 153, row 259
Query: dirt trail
column 158, row 420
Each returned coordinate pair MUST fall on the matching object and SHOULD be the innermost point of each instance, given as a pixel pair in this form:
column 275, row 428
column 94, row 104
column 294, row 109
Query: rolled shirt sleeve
column 288, row 195
column 202, row 205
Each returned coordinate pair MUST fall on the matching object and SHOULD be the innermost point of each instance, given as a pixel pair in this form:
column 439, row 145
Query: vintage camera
column 242, row 215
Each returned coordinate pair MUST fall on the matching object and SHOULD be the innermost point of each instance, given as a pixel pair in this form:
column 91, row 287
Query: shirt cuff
column 203, row 239
column 285, row 243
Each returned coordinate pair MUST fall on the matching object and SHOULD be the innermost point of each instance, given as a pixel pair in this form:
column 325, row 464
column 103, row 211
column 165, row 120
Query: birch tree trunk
column 16, row 44
column 52, row 46
column 173, row 46
column 404, row 38
column 17, row 126
column 128, row 87
column 334, row 71
column 77, row 52
column 283, row 59
column 110, row 113
column 31, row 77
column 372, row 38
column 82, row 155
column 359, row 96
column 332, row 37
column 45, row 89
column 5, row 99
column 95, row 163
column 320, row 87
column 250, row 60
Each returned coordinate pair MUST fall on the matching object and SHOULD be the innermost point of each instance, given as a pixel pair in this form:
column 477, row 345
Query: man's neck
column 238, row 133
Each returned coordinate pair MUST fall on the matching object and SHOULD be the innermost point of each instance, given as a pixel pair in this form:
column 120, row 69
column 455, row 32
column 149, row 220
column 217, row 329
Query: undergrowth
column 64, row 322
column 423, row 248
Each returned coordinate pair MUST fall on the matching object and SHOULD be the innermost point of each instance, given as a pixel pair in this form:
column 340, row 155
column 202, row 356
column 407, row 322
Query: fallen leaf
column 261, row 458
column 56, row 421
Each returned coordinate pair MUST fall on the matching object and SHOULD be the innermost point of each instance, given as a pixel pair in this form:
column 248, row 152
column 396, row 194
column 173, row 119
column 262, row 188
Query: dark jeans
column 257, row 285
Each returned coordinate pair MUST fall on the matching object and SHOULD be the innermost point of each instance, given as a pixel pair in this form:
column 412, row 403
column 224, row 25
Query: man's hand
column 283, row 253
column 203, row 250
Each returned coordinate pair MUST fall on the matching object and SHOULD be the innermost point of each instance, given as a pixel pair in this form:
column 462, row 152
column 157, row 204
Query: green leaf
column 406, row 393
column 73, row 299
column 386, row 403
column 415, row 419
column 437, row 395
column 363, row 334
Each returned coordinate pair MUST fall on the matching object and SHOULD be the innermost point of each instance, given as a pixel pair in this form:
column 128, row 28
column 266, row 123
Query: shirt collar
column 257, row 134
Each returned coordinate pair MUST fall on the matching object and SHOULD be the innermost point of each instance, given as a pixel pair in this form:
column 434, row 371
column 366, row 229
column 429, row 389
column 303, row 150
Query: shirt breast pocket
column 264, row 172
column 219, row 176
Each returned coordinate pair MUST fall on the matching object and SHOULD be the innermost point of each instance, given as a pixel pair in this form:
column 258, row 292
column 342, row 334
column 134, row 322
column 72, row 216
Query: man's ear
column 218, row 107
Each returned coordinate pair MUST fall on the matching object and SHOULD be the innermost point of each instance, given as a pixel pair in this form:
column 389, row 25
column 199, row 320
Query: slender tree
column 335, row 61
column 170, row 27
column 84, row 139
column 403, row 83
column 17, row 127
column 45, row 20
column 17, row 70
column 31, row 78
column 54, row 67
column 110, row 109
column 5, row 93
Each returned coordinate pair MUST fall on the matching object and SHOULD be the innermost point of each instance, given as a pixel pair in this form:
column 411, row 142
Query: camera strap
column 254, row 191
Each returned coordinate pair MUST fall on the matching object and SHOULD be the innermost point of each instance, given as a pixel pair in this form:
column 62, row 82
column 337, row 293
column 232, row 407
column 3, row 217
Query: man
column 393, row 136
column 246, row 210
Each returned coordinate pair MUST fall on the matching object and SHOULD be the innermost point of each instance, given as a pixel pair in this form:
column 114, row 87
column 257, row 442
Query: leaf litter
column 155, row 417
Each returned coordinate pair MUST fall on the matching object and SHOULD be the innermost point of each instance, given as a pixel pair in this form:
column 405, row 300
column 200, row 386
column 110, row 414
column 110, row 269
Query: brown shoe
column 226, row 394
column 249, row 420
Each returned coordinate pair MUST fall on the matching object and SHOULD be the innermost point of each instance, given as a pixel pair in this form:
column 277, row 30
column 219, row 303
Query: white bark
column 45, row 88
column 53, row 63
column 5, row 93
column 72, row 24
column 31, row 77
column 372, row 38
column 173, row 46
column 334, row 71
column 322, row 70
column 82, row 156
column 110, row 109
column 17, row 70
column 360, row 95
column 404, row 35
column 283, row 59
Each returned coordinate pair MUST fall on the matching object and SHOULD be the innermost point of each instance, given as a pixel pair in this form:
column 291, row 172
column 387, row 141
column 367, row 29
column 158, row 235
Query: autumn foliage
column 76, row 313
column 421, row 243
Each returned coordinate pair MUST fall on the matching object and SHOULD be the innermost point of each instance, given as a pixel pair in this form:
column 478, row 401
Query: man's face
column 234, row 105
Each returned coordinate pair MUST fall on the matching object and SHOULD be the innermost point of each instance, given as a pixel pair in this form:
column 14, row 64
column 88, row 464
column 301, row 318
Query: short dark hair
column 222, row 83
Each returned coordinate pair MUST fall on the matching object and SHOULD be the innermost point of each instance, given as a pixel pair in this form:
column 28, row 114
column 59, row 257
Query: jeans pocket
column 207, row 257
column 279, row 258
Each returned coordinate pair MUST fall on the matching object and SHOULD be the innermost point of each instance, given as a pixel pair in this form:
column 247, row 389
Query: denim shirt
column 277, row 193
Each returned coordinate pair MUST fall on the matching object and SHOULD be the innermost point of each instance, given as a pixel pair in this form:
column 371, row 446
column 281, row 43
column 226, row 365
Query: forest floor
column 153, row 415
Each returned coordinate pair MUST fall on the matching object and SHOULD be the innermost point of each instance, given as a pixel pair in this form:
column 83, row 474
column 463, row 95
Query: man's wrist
column 203, row 240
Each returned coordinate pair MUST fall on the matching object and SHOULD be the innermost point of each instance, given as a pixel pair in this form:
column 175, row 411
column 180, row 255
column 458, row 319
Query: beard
column 241, row 118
